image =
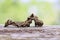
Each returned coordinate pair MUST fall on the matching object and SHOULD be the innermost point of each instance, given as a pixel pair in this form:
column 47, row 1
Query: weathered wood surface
column 47, row 32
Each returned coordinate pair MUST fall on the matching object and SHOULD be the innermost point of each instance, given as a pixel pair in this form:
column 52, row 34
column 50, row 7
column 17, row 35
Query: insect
column 19, row 24
column 38, row 23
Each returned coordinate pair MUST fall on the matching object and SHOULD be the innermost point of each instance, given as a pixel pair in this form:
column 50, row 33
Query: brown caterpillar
column 19, row 24
column 38, row 23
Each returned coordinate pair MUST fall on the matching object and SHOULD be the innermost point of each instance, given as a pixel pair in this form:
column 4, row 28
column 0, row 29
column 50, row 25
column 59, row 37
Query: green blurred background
column 19, row 10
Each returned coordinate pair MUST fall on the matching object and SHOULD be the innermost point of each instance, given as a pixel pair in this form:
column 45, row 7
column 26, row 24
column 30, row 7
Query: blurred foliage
column 18, row 11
